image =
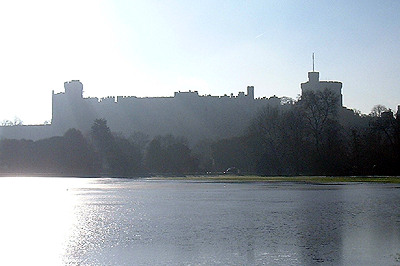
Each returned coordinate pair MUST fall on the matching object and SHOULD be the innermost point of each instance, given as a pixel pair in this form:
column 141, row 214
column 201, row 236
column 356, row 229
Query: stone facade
column 185, row 114
column 314, row 84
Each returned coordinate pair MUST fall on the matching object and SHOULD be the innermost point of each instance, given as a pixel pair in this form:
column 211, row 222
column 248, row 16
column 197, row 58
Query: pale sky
column 154, row 48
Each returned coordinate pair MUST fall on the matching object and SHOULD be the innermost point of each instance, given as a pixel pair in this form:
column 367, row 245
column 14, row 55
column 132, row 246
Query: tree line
column 316, row 136
column 310, row 136
column 100, row 152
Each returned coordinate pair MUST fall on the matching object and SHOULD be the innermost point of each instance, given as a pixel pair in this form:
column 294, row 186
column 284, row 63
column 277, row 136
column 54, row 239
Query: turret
column 250, row 92
column 315, row 85
column 73, row 89
column 313, row 77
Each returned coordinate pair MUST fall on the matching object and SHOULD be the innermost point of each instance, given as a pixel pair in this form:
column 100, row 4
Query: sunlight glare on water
column 112, row 221
column 36, row 219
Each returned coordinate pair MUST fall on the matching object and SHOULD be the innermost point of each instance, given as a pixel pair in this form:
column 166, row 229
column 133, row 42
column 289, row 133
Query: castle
column 185, row 114
column 314, row 84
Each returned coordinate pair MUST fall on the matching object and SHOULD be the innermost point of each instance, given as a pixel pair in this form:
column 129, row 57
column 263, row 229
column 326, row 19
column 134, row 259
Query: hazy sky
column 154, row 48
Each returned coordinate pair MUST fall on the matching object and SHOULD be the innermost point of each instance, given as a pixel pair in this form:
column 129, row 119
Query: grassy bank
column 302, row 179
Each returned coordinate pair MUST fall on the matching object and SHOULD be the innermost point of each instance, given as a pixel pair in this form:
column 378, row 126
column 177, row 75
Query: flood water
column 80, row 221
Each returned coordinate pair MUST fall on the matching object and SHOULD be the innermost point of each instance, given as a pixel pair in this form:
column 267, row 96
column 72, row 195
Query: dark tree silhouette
column 16, row 156
column 169, row 154
column 278, row 142
column 127, row 157
column 140, row 140
column 50, row 155
column 313, row 136
column 266, row 135
column 232, row 153
column 204, row 153
column 117, row 154
column 319, row 109
column 65, row 155
column 103, row 143
column 78, row 155
column 385, row 132
column 377, row 110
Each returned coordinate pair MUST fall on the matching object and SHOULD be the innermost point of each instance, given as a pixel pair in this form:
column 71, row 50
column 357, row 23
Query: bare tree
column 377, row 110
column 287, row 101
column 16, row 122
column 318, row 109
column 6, row 123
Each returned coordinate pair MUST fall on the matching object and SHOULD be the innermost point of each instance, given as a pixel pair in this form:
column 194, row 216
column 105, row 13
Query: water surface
column 77, row 221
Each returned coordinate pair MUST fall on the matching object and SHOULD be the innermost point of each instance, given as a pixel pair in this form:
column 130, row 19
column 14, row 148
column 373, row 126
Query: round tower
column 73, row 89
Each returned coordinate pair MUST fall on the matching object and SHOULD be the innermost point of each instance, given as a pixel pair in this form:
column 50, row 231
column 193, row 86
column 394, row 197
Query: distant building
column 185, row 114
column 398, row 112
column 314, row 84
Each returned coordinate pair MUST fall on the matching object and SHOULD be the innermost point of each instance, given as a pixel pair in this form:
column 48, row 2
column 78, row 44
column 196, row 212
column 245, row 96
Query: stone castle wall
column 185, row 114
column 314, row 84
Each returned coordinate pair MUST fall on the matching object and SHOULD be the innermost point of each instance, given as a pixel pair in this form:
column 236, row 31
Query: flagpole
column 313, row 62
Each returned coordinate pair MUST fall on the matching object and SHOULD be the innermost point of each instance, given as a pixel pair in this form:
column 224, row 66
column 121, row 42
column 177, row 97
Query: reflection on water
column 36, row 218
column 71, row 221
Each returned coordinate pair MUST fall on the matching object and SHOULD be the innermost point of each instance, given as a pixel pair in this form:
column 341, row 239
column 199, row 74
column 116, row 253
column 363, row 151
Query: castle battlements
column 314, row 84
column 186, row 113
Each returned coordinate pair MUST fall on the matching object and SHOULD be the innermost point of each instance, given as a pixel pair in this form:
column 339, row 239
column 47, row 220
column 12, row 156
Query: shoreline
column 235, row 178
column 295, row 179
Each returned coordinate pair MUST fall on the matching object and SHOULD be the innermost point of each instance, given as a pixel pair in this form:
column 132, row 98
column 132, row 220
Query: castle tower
column 313, row 77
column 314, row 84
column 73, row 89
column 68, row 108
column 250, row 92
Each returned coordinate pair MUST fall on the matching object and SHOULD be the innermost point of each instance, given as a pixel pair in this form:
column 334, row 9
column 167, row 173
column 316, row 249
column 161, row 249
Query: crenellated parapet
column 73, row 89
column 186, row 113
column 314, row 85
